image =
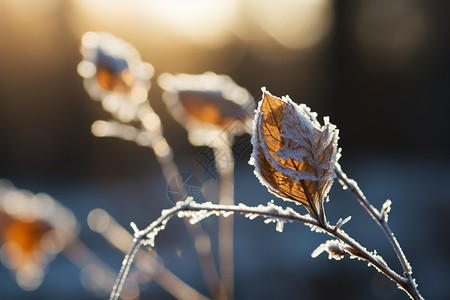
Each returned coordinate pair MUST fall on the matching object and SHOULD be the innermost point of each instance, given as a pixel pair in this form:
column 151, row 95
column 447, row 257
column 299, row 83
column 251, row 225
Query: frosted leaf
column 114, row 73
column 207, row 105
column 294, row 156
column 33, row 229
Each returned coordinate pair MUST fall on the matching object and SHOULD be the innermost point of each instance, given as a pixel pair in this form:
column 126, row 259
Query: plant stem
column 126, row 264
column 138, row 241
column 81, row 256
column 406, row 283
column 382, row 222
column 202, row 242
column 146, row 262
column 152, row 137
column 225, row 165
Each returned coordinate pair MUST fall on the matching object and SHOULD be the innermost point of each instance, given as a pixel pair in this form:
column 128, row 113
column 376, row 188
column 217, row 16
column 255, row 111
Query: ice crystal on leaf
column 294, row 156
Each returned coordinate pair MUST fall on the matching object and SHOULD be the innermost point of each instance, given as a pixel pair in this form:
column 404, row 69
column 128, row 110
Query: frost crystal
column 335, row 248
column 386, row 209
column 341, row 222
column 279, row 223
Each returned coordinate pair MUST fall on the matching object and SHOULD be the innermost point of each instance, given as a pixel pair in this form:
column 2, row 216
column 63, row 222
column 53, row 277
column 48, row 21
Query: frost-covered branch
column 381, row 217
column 295, row 157
column 114, row 74
column 196, row 212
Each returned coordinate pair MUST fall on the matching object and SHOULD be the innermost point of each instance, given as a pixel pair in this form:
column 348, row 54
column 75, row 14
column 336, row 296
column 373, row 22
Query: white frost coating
column 315, row 228
column 125, row 260
column 196, row 212
column 150, row 237
column 341, row 222
column 385, row 209
column 279, row 223
column 300, row 142
column 135, row 229
column 251, row 216
column 334, row 248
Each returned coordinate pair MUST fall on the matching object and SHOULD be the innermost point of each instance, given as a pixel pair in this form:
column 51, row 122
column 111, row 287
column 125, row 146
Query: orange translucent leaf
column 294, row 156
column 211, row 107
column 120, row 82
column 24, row 234
column 113, row 67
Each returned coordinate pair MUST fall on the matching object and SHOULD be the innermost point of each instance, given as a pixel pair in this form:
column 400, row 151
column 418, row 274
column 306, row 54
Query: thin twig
column 197, row 212
column 137, row 243
column 382, row 222
column 80, row 255
column 146, row 262
column 203, row 248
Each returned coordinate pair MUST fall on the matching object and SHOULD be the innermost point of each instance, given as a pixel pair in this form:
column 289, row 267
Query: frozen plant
column 214, row 110
column 295, row 157
column 115, row 75
column 34, row 229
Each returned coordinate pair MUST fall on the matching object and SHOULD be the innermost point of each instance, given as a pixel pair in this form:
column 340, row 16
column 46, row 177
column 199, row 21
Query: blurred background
column 379, row 69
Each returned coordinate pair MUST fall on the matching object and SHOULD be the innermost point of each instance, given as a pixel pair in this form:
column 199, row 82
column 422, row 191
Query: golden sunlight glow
column 292, row 24
column 205, row 22
column 296, row 24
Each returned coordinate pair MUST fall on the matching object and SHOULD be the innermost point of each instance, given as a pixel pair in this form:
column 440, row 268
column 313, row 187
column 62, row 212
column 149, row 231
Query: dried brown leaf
column 294, row 156
column 27, row 235
column 111, row 80
column 211, row 107
column 112, row 66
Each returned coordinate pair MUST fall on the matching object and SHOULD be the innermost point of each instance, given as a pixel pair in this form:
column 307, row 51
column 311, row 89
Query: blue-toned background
column 379, row 69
